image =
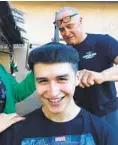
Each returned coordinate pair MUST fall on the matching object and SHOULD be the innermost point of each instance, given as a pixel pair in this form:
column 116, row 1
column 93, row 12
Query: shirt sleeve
column 111, row 45
column 25, row 88
column 11, row 79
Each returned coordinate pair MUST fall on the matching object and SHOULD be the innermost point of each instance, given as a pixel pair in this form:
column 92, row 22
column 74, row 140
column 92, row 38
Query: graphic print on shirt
column 85, row 139
column 89, row 55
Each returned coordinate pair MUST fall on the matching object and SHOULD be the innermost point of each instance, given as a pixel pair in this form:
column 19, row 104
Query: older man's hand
column 88, row 78
column 6, row 120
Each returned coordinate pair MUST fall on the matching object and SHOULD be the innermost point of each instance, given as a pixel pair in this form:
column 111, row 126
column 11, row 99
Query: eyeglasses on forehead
column 64, row 20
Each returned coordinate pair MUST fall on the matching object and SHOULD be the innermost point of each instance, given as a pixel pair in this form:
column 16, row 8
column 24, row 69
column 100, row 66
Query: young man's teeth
column 55, row 100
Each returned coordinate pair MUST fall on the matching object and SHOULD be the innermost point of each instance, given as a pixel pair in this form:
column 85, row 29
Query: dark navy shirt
column 36, row 129
column 97, row 53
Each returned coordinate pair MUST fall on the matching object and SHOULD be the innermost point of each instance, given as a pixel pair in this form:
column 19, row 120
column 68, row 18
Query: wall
column 98, row 17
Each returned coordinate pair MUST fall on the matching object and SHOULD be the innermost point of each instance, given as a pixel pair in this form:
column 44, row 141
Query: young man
column 97, row 74
column 59, row 121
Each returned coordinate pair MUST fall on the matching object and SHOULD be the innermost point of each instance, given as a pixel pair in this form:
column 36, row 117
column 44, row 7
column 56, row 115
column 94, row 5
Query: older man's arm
column 88, row 78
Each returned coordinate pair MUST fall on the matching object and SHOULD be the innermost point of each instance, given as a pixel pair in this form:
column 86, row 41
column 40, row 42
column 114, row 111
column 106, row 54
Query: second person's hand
column 88, row 78
column 6, row 120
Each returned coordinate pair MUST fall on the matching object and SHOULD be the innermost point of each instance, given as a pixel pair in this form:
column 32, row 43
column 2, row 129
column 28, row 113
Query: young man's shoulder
column 96, row 121
column 30, row 119
column 33, row 114
column 100, row 129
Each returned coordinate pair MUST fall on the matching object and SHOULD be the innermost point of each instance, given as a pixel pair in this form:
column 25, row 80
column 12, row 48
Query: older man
column 98, row 53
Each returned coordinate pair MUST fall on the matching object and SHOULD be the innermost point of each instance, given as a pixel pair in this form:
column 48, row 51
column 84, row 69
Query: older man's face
column 69, row 27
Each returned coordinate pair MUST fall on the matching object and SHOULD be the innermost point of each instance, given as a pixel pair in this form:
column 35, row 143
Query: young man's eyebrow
column 64, row 75
column 40, row 78
column 43, row 78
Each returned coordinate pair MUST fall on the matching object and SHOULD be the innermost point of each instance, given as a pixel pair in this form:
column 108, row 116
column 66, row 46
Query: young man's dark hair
column 60, row 53
column 59, row 121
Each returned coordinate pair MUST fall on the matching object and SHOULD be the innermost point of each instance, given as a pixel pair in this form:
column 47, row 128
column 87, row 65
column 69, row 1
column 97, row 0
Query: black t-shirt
column 97, row 53
column 2, row 96
column 84, row 129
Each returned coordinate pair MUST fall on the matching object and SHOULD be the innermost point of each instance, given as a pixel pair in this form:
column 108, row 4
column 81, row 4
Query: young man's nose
column 53, row 90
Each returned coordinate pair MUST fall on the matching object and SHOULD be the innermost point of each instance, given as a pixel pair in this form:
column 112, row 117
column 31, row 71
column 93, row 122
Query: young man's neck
column 68, row 114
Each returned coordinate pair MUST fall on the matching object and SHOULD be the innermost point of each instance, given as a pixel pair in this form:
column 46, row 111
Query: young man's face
column 55, row 85
column 71, row 30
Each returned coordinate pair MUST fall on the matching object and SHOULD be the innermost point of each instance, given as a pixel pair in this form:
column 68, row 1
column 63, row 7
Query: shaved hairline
column 64, row 9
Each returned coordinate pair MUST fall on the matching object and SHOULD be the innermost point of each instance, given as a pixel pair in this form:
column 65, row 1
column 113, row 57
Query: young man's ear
column 77, row 78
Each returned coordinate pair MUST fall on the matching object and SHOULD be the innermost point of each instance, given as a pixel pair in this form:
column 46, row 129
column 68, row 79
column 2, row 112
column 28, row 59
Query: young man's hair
column 54, row 53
